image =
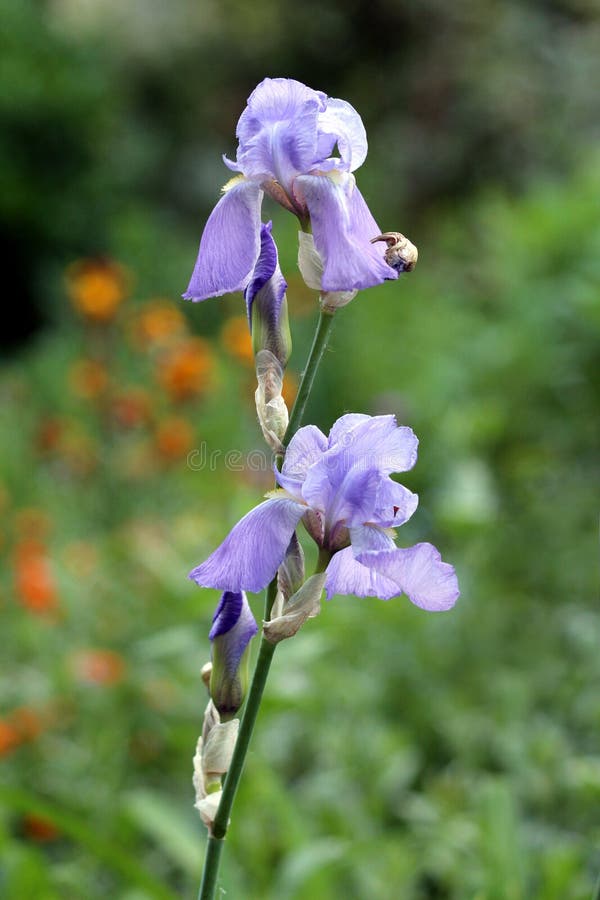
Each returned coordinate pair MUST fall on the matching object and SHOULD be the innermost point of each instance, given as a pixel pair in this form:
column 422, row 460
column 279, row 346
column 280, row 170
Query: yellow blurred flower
column 236, row 339
column 159, row 322
column 97, row 287
column 184, row 370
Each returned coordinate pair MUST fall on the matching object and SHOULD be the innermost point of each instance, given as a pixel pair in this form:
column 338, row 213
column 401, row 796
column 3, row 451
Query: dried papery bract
column 401, row 254
column 271, row 409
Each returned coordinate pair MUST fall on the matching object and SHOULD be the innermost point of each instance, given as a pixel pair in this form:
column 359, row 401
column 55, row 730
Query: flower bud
column 304, row 604
column 267, row 304
column 311, row 268
column 400, row 255
column 290, row 575
column 233, row 628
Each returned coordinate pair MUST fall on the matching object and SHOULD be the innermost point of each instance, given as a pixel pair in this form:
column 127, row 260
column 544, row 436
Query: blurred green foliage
column 398, row 754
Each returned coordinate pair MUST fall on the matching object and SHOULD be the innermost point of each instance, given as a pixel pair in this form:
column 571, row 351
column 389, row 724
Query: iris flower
column 287, row 137
column 340, row 487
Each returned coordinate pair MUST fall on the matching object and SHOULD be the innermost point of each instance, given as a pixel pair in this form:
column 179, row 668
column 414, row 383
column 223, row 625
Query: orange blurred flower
column 236, row 338
column 39, row 828
column 9, row 737
column 98, row 666
column 159, row 322
column 97, row 287
column 88, row 378
column 185, row 369
column 49, row 434
column 34, row 582
column 132, row 407
column 174, row 438
column 18, row 727
column 290, row 388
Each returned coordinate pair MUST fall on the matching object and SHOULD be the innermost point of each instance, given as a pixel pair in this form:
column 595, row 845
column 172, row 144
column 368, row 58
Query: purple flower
column 287, row 135
column 233, row 627
column 340, row 487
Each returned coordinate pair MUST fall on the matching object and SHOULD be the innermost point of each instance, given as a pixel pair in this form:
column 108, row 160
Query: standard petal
column 253, row 550
column 418, row 572
column 344, row 426
column 352, row 500
column 345, row 575
column 230, row 244
column 343, row 227
column 374, row 442
column 277, row 131
column 395, row 504
column 306, row 448
column 341, row 124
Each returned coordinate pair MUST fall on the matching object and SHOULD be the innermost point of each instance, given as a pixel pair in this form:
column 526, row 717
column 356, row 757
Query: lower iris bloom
column 340, row 488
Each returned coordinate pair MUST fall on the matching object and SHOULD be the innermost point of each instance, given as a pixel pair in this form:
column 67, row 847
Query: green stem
column 308, row 376
column 232, row 779
column 266, row 651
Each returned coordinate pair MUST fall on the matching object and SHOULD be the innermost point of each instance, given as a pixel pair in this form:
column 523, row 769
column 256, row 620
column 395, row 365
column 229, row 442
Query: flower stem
column 308, row 376
column 266, row 650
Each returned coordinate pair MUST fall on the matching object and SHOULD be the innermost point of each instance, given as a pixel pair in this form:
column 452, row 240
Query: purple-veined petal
column 340, row 124
column 395, row 504
column 344, row 426
column 345, row 575
column 230, row 244
column 266, row 278
column 370, row 538
column 352, row 500
column 343, row 227
column 420, row 573
column 253, row 550
column 277, row 131
column 305, row 449
column 374, row 442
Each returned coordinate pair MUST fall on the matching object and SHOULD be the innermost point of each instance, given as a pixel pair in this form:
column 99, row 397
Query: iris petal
column 418, row 572
column 253, row 550
column 346, row 575
column 343, row 227
column 342, row 123
column 230, row 244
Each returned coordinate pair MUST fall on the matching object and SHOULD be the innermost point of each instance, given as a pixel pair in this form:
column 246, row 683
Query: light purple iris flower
column 340, row 487
column 287, row 135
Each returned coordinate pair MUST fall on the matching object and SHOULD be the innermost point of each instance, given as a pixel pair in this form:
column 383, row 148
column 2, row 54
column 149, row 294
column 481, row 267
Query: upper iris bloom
column 340, row 487
column 287, row 136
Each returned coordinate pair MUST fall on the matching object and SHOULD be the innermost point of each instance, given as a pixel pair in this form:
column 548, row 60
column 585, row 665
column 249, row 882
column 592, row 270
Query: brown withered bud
column 401, row 255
